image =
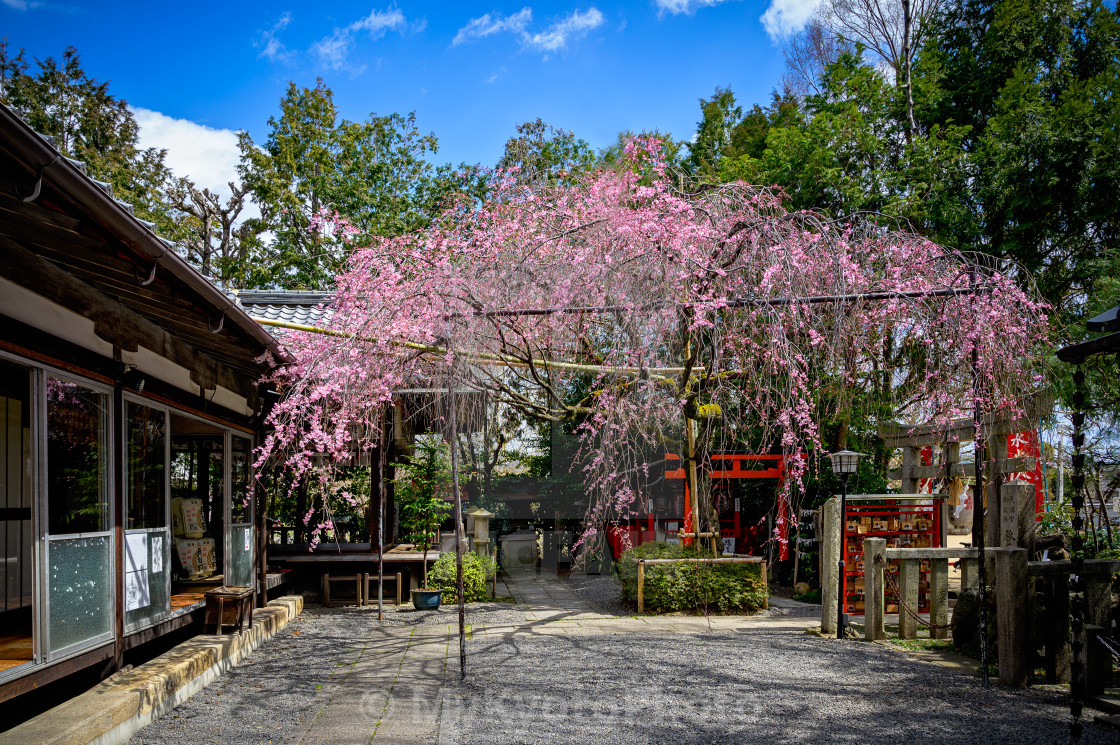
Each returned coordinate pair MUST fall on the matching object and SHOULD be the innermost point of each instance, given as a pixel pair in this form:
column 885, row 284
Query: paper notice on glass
column 136, row 571
column 136, row 590
column 246, row 540
column 157, row 554
column 136, row 552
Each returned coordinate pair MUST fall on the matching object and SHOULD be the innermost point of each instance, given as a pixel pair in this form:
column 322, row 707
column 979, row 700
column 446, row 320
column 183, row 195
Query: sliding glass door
column 147, row 550
column 18, row 606
column 241, row 513
column 77, row 536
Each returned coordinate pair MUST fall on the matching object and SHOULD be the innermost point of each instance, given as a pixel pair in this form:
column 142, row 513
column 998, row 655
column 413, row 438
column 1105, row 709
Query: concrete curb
column 109, row 714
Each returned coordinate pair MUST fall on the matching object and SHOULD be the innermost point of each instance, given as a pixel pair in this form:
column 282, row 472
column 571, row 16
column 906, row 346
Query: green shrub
column 813, row 596
column 477, row 570
column 691, row 586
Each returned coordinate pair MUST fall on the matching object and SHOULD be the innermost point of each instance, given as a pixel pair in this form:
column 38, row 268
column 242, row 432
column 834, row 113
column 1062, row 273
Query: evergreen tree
column 1037, row 87
column 373, row 173
column 719, row 117
column 58, row 98
column 544, row 154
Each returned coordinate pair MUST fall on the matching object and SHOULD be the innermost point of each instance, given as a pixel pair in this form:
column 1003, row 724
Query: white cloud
column 553, row 39
column 487, row 25
column 572, row 28
column 786, row 17
column 688, row 7
column 19, row 4
column 206, row 155
column 274, row 49
column 334, row 50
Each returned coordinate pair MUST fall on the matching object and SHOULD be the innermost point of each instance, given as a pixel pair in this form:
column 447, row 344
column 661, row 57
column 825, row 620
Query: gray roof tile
column 307, row 308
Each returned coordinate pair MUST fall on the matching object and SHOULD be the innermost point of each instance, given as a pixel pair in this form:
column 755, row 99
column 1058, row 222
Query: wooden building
column 128, row 392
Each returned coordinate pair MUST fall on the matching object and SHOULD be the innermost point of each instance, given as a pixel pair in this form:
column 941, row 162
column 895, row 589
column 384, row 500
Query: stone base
column 111, row 713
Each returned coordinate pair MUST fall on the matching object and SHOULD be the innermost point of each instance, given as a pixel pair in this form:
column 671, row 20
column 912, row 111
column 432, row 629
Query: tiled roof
column 40, row 153
column 304, row 307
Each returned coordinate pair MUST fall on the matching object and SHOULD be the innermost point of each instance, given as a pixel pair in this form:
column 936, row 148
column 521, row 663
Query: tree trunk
column 906, row 54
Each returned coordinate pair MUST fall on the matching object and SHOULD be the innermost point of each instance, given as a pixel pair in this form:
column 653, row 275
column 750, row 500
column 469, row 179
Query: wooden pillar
column 117, row 449
column 262, row 544
column 301, row 510
column 874, row 563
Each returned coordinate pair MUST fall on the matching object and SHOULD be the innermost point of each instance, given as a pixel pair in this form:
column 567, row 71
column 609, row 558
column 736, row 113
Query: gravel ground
column 750, row 687
column 263, row 699
column 754, row 686
column 601, row 590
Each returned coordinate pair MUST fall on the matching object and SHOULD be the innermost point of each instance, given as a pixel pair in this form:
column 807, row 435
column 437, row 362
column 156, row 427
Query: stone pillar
column 1056, row 628
column 874, row 563
column 970, row 573
column 939, row 598
column 830, row 554
column 1099, row 663
column 996, row 452
column 911, row 459
column 1015, row 653
column 908, row 577
column 1016, row 519
column 1098, row 606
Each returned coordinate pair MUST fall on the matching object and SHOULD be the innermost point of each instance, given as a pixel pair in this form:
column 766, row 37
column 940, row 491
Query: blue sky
column 472, row 71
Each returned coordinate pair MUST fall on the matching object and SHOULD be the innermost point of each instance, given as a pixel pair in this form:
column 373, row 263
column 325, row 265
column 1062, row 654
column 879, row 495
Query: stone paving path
column 394, row 691
column 388, row 692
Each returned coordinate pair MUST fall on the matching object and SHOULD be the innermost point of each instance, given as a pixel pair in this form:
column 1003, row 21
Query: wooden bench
column 368, row 599
column 327, row 579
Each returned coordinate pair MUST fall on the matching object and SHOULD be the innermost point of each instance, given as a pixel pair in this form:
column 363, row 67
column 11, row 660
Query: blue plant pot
column 426, row 599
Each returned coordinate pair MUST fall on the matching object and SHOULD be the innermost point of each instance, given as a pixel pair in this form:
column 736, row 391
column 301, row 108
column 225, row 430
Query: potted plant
column 423, row 508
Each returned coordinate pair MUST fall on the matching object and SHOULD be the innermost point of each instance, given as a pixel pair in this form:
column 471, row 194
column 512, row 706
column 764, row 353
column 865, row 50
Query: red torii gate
column 726, row 466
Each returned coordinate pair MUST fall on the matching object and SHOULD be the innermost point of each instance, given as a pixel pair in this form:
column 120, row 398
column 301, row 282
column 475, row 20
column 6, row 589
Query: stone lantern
column 481, row 520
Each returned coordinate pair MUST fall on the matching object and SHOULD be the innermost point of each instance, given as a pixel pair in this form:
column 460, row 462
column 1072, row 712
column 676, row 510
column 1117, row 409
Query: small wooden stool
column 228, row 603
column 368, row 599
column 327, row 579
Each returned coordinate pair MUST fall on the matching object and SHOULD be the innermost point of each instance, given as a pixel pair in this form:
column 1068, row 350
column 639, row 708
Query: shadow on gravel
column 763, row 687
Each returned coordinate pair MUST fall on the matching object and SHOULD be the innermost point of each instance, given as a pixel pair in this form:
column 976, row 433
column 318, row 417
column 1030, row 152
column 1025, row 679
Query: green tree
column 719, row 117
column 209, row 233
column 544, row 154
column 373, row 173
column 748, row 137
column 1037, row 85
column 423, row 487
column 56, row 97
column 845, row 151
column 671, row 150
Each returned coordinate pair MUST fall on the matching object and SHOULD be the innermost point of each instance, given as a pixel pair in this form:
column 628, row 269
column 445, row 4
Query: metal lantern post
column 844, row 464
